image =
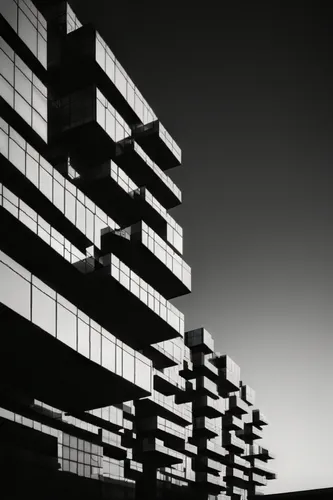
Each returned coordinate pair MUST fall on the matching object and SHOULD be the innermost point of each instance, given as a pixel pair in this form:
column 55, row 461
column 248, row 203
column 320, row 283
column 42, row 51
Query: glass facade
column 86, row 414
column 29, row 24
column 22, row 90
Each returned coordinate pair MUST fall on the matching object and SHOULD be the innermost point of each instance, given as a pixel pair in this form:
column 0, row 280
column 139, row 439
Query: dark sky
column 246, row 88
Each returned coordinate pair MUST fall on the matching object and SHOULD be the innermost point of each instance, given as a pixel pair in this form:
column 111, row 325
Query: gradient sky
column 246, row 90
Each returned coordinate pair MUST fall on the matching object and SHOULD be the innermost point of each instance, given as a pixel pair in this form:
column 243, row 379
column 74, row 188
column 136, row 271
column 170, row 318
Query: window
column 27, row 32
column 83, row 338
column 43, row 311
column 128, row 366
column 7, row 67
column 15, row 291
column 108, row 354
column 95, row 346
column 66, row 326
column 16, row 155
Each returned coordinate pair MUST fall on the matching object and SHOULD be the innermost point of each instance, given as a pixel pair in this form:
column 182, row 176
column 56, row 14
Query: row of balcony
column 84, row 57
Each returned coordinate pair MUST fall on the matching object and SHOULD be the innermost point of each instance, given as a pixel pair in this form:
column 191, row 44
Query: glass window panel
column 22, row 85
column 15, row 291
column 80, row 217
column 39, row 125
column 111, row 125
column 130, row 95
column 28, row 11
column 22, row 108
column 95, row 346
column 6, row 91
column 45, row 183
column 8, row 9
column 43, row 311
column 83, row 338
column 108, row 354
column 143, row 374
column 121, row 82
column 120, row 133
column 66, row 326
column 58, row 196
column 70, row 206
column 17, row 138
column 6, row 48
column 6, row 67
column 32, row 170
column 110, row 67
column 42, row 52
column 128, row 366
column 39, row 102
column 27, row 32
column 4, row 143
column 100, row 54
column 23, row 67
column 27, row 221
column 16, row 156
column 100, row 113
column 119, row 361
column 89, row 225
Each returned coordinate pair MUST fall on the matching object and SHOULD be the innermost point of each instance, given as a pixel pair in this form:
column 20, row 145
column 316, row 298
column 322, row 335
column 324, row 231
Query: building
column 316, row 494
column 102, row 394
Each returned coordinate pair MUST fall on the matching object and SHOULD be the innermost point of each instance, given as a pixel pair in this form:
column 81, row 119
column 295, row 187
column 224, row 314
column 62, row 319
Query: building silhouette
column 103, row 395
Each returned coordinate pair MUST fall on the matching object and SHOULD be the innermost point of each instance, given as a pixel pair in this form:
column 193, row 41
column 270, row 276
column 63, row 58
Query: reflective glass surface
column 146, row 293
column 174, row 234
column 84, row 214
column 22, row 90
column 110, row 120
column 29, row 24
column 28, row 296
column 106, row 59
column 165, row 178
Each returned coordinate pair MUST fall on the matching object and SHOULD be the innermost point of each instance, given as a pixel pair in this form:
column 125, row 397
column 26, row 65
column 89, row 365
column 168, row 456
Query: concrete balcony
column 204, row 386
column 259, row 452
column 210, row 483
column 213, row 450
column 202, row 426
column 41, row 352
column 249, row 433
column 236, row 477
column 260, row 468
column 87, row 127
column 232, row 443
column 203, row 366
column 153, row 451
column 238, row 463
column 161, row 428
column 209, row 407
column 145, row 172
column 144, row 251
column 158, row 144
column 247, row 394
column 232, row 423
column 167, row 385
column 258, row 418
column 257, row 479
column 204, row 464
column 229, row 374
column 237, row 406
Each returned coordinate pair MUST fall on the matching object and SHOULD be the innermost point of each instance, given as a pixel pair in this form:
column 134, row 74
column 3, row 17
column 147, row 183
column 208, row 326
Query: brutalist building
column 103, row 394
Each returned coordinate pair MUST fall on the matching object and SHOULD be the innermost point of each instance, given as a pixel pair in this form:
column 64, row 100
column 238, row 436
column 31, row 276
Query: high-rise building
column 102, row 393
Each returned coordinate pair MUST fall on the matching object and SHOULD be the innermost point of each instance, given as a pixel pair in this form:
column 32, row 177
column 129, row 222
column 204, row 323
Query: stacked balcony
column 149, row 256
column 229, row 375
